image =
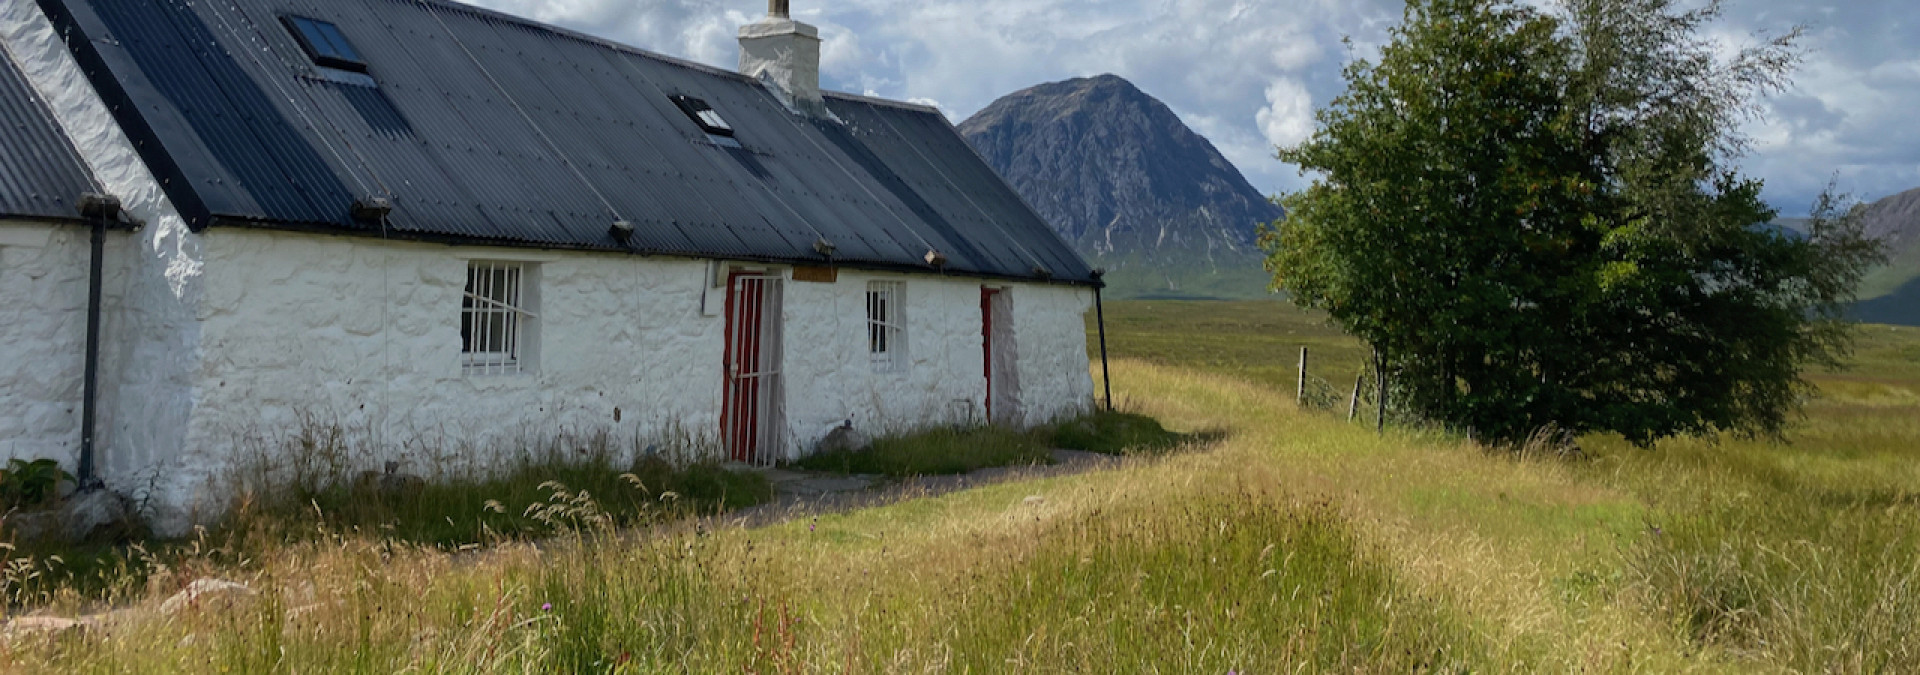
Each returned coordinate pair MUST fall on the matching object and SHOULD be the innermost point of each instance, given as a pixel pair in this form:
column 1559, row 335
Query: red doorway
column 749, row 417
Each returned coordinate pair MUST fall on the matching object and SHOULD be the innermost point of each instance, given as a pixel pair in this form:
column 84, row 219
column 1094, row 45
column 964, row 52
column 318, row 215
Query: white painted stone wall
column 43, row 329
column 831, row 373
column 151, row 294
column 1049, row 326
column 364, row 335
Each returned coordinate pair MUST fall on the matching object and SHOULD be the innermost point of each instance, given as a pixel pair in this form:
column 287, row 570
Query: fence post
column 1380, row 368
column 1353, row 400
column 1300, row 396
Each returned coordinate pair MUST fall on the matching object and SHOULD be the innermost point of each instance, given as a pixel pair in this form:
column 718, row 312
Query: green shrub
column 25, row 484
column 1116, row 433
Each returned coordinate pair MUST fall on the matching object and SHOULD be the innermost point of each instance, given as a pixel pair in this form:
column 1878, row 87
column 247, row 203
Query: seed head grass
column 1288, row 541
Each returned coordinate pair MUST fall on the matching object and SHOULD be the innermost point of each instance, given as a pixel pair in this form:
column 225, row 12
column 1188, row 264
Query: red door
column 752, row 370
column 986, row 342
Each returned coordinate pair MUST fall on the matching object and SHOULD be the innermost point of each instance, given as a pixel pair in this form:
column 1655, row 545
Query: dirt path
column 799, row 494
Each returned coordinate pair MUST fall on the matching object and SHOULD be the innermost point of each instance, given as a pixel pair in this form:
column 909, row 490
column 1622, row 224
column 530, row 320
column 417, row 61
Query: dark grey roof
column 41, row 176
column 483, row 128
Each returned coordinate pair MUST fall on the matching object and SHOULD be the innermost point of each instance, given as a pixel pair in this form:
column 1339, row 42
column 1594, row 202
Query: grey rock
column 43, row 625
column 74, row 519
column 844, row 438
column 207, row 593
column 391, row 482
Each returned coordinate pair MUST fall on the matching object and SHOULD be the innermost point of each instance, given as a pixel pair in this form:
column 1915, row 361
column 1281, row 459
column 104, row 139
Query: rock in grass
column 74, row 519
column 42, row 625
column 843, row 438
column 203, row 593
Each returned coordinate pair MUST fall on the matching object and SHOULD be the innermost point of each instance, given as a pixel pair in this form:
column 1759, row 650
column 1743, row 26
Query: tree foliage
column 1535, row 216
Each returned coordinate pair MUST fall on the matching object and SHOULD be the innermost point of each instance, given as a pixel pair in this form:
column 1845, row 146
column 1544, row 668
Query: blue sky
column 1248, row 73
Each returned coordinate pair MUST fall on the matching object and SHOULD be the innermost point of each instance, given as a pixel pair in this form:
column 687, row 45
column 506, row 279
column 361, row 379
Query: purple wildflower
column 546, row 607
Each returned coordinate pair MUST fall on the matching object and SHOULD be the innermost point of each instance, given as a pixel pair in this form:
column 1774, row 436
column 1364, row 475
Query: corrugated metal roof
column 483, row 128
column 41, row 175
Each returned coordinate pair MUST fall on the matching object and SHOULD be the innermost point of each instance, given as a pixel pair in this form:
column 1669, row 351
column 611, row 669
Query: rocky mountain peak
column 1118, row 173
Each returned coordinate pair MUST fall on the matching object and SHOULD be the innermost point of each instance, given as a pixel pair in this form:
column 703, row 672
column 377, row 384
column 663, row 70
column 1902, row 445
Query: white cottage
column 458, row 230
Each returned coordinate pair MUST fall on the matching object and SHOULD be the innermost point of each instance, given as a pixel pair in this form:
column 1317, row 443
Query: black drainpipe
column 1100, row 318
column 98, row 210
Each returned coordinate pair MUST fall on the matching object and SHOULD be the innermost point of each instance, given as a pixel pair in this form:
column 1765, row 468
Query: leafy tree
column 1535, row 218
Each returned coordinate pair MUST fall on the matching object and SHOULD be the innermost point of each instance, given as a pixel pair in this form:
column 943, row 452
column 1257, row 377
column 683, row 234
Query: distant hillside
column 1139, row 193
column 1892, row 293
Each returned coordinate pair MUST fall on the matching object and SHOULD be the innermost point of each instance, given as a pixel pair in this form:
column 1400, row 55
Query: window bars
column 886, row 324
column 493, row 318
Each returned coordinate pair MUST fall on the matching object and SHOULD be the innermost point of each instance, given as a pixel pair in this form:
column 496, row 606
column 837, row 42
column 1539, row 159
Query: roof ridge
column 875, row 100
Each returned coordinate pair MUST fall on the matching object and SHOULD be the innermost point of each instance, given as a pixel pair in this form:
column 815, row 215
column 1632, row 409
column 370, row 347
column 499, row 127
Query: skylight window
column 325, row 43
column 704, row 115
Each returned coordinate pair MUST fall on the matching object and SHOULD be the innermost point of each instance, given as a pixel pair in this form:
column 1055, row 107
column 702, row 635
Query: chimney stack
column 786, row 55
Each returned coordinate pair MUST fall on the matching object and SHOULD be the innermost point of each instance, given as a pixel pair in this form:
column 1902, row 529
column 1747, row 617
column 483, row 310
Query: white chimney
column 785, row 54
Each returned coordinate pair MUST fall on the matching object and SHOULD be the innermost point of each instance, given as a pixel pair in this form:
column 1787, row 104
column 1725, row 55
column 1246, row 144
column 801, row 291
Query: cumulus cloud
column 1288, row 117
column 1247, row 73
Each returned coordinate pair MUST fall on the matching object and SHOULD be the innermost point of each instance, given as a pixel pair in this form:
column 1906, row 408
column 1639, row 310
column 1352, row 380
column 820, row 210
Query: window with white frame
column 886, row 324
column 495, row 318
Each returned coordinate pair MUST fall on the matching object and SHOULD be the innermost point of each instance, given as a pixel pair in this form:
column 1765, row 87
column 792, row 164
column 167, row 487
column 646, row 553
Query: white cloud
column 1288, row 117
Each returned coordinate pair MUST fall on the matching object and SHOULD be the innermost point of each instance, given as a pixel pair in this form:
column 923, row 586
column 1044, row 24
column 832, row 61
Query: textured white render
column 1050, row 332
column 150, row 354
column 43, row 330
column 832, row 376
column 365, row 335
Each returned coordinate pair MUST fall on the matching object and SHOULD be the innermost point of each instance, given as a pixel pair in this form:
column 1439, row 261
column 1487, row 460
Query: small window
column 495, row 319
column 886, row 324
column 324, row 42
column 704, row 115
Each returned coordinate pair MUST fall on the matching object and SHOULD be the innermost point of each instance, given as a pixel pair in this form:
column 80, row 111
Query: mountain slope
column 1891, row 294
column 1131, row 186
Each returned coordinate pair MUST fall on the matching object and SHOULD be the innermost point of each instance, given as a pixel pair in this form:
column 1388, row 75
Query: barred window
column 494, row 318
column 886, row 324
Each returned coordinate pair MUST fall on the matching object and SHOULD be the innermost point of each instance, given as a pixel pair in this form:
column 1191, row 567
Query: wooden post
column 1106, row 376
column 1300, row 395
column 1353, row 400
column 1380, row 371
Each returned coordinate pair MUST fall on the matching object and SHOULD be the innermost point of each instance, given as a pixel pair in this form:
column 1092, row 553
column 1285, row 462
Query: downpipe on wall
column 99, row 210
column 1100, row 319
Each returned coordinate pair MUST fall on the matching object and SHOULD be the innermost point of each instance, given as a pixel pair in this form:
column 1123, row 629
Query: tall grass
column 1230, row 584
column 1787, row 581
column 1295, row 543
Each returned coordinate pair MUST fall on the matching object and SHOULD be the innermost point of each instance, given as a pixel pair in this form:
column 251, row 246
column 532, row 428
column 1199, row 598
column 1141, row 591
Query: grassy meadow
column 1275, row 539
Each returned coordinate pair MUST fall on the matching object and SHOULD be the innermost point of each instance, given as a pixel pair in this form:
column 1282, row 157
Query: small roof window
column 324, row 42
column 704, row 115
